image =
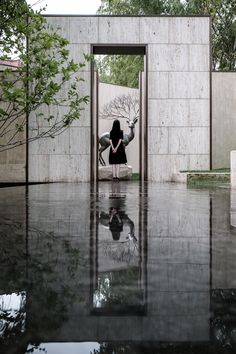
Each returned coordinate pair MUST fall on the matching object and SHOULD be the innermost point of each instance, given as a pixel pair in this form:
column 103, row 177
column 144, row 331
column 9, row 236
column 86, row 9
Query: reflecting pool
column 117, row 268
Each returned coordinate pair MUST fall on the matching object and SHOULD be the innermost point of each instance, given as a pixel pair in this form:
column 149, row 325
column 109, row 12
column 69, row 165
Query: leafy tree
column 120, row 69
column 46, row 77
column 223, row 14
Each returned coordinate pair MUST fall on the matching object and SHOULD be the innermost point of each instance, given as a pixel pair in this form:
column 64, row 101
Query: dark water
column 121, row 269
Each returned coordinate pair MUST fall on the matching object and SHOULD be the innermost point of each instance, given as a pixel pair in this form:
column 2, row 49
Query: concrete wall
column 223, row 118
column 178, row 95
column 13, row 161
column 12, row 165
column 108, row 92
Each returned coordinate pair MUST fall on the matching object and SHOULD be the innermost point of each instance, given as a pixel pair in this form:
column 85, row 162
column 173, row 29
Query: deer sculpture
column 105, row 143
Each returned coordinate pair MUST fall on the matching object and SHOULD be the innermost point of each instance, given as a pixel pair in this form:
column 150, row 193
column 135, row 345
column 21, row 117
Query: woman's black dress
column 120, row 156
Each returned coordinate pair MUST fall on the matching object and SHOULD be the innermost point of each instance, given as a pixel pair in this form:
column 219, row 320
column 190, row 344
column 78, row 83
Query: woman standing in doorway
column 117, row 154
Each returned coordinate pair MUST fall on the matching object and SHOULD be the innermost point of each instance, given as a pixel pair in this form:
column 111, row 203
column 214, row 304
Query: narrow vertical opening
column 119, row 92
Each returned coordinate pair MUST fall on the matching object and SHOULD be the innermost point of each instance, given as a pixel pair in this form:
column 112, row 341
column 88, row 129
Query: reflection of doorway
column 137, row 149
column 118, row 256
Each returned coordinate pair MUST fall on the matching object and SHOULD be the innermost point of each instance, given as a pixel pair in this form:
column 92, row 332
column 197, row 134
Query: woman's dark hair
column 115, row 235
column 116, row 126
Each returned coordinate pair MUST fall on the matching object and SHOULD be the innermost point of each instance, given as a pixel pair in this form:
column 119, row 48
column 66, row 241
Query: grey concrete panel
column 189, row 30
column 39, row 168
column 168, row 57
column 79, row 140
column 51, row 146
column 179, row 112
column 223, row 118
column 162, row 167
column 61, row 24
column 189, row 85
column 199, row 58
column 154, row 31
column 199, row 112
column 70, row 168
column 185, row 140
column 83, row 29
column 118, row 30
column 11, row 173
column 158, row 140
column 168, row 112
column 158, row 84
column 199, row 162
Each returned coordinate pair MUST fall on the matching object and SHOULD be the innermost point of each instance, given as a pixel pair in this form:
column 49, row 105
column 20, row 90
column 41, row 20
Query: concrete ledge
column 105, row 172
column 208, row 176
column 180, row 177
column 192, row 177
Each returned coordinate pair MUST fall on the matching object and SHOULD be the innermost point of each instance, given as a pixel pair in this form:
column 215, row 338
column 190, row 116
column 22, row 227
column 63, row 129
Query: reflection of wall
column 107, row 92
column 177, row 262
column 223, row 240
column 13, row 239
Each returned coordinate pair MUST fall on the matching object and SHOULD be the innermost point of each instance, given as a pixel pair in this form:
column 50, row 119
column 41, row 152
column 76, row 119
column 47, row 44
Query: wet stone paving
column 117, row 268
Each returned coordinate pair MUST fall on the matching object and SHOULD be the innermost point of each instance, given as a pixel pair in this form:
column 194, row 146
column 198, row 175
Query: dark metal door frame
column 118, row 49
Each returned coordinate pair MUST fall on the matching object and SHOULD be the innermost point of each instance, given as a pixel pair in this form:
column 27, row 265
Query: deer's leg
column 101, row 160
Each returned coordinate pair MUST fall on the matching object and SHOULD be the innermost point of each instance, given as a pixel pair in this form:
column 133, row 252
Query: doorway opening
column 118, row 91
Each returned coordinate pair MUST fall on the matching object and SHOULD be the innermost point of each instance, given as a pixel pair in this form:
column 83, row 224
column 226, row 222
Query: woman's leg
column 118, row 171
column 113, row 171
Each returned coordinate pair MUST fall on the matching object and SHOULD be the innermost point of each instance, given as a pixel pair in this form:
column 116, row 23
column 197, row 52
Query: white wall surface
column 107, row 92
column 223, row 117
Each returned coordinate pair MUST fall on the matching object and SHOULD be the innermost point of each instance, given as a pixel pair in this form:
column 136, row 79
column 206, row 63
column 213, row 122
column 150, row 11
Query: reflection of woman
column 115, row 221
column 115, row 224
column 117, row 154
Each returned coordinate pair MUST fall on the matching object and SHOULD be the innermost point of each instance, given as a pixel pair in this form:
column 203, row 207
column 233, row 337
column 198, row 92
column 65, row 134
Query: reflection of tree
column 118, row 348
column 223, row 322
column 118, row 288
column 124, row 251
column 12, row 315
column 47, row 275
column 121, row 251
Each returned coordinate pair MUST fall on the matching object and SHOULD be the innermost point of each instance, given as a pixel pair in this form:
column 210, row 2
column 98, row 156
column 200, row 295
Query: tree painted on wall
column 121, row 107
column 45, row 87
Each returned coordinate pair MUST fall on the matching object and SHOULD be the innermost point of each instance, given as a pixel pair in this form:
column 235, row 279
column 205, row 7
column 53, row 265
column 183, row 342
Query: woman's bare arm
column 119, row 142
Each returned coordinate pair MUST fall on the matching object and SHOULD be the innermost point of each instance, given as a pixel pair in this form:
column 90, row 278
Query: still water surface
column 117, row 269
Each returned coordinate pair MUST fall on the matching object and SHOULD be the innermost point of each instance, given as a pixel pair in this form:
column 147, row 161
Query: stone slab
column 105, row 172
